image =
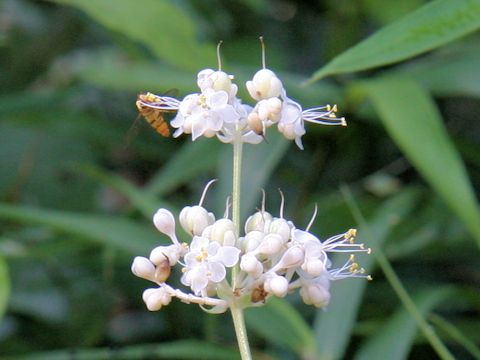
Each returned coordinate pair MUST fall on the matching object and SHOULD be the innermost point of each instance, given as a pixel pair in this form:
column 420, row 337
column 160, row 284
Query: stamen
column 263, row 201
column 282, row 203
column 205, row 191
column 227, row 207
column 219, row 60
column 263, row 51
column 312, row 219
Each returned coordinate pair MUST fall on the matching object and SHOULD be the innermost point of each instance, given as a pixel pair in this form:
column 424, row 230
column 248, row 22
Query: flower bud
column 315, row 294
column 171, row 253
column 220, row 228
column 156, row 298
column 270, row 245
column 164, row 222
column 281, row 227
column 264, row 85
column 217, row 81
column 258, row 221
column 293, row 257
column 255, row 123
column 276, row 285
column 194, row 219
column 250, row 264
column 142, row 267
column 314, row 267
column 252, row 240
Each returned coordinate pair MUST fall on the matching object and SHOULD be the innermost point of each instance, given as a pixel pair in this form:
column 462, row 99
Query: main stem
column 235, row 309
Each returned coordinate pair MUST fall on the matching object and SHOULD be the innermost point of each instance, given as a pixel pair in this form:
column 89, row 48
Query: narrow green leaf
column 394, row 340
column 412, row 120
column 119, row 233
column 140, row 200
column 108, row 68
column 448, row 73
column 427, row 28
column 282, row 325
column 161, row 26
column 182, row 350
column 347, row 294
column 453, row 332
column 194, row 158
column 4, row 285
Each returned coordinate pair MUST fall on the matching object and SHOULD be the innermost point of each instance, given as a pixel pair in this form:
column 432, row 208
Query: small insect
column 259, row 294
column 153, row 109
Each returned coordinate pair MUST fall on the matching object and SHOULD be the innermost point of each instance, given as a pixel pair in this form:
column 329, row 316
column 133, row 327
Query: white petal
column 217, row 99
column 227, row 255
column 217, row 272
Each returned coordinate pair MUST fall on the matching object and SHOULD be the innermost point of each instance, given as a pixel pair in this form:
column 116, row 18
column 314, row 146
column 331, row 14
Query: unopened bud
column 264, row 85
column 281, row 227
column 194, row 219
column 142, row 267
column 220, row 228
column 164, row 222
column 156, row 298
column 258, row 221
column 276, row 285
column 270, row 245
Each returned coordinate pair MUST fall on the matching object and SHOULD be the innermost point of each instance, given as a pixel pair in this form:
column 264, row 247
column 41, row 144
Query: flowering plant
column 229, row 266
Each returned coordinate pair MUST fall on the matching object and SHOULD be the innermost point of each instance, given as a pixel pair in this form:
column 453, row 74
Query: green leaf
column 182, row 350
column 194, row 158
column 347, row 294
column 161, row 26
column 394, row 340
column 452, row 72
column 427, row 28
column 412, row 120
column 139, row 199
column 282, row 325
column 119, row 233
column 4, row 285
column 454, row 333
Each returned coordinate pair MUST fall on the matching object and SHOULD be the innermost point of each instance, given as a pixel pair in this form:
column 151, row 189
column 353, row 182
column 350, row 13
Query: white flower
column 206, row 261
column 204, row 114
column 291, row 123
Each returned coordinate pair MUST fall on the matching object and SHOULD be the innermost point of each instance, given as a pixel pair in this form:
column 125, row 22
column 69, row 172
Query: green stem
column 236, row 190
column 235, row 309
column 237, row 176
column 240, row 331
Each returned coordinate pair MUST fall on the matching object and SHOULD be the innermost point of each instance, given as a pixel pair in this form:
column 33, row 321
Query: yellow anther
column 351, row 233
column 329, row 107
column 369, row 251
column 369, row 278
column 334, row 109
column 354, row 268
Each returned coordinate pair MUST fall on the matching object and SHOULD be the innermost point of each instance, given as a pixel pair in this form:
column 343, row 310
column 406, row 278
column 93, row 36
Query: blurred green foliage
column 76, row 197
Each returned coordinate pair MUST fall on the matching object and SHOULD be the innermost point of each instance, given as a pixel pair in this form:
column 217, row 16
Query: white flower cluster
column 273, row 258
column 216, row 111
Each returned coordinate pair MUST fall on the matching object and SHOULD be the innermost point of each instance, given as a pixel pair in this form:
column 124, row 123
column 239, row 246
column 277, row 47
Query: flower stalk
column 235, row 309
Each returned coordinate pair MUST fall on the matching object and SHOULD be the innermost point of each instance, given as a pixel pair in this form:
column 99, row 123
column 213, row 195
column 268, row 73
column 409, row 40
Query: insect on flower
column 153, row 107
